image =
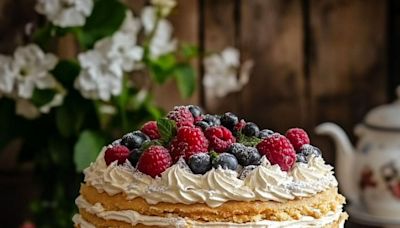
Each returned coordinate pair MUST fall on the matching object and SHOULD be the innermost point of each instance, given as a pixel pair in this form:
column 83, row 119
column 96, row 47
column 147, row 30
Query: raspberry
column 278, row 150
column 188, row 141
column 116, row 153
column 154, row 161
column 220, row 138
column 150, row 129
column 239, row 126
column 182, row 116
column 298, row 137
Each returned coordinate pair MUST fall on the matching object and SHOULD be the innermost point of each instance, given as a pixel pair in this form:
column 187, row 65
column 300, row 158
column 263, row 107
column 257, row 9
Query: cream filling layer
column 178, row 184
column 133, row 218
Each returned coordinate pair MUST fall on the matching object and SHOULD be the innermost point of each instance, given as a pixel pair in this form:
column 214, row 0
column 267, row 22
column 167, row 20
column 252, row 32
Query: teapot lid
column 386, row 116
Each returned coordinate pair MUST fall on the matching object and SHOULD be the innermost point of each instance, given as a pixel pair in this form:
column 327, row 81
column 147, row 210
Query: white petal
column 231, row 56
column 69, row 17
column 148, row 18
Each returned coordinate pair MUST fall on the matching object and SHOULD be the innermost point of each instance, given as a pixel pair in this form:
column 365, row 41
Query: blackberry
column 195, row 110
column 134, row 140
column 250, row 129
column 134, row 156
column 229, row 120
column 245, row 155
column 225, row 161
column 200, row 163
column 265, row 133
column 212, row 120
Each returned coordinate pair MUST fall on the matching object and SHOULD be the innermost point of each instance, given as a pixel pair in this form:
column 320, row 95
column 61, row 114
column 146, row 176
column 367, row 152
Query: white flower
column 223, row 73
column 161, row 41
column 65, row 13
column 31, row 68
column 98, row 79
column 7, row 78
column 56, row 101
column 164, row 6
column 130, row 25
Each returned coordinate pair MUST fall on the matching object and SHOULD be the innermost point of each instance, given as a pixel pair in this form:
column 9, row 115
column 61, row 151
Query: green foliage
column 162, row 68
column 41, row 97
column 66, row 71
column 186, row 79
column 106, row 18
column 87, row 148
column 248, row 141
column 167, row 129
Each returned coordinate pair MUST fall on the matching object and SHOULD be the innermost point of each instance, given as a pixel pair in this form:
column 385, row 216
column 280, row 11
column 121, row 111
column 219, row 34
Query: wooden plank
column 272, row 36
column 347, row 61
column 219, row 33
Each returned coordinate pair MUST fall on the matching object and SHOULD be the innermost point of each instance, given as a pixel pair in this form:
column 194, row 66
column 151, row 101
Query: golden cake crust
column 231, row 211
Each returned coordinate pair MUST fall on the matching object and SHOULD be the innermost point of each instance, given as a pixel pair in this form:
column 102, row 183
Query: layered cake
column 198, row 170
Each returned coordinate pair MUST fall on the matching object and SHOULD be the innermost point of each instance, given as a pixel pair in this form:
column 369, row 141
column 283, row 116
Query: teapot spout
column 345, row 157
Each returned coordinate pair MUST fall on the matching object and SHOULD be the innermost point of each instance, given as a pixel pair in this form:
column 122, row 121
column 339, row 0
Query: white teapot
column 370, row 174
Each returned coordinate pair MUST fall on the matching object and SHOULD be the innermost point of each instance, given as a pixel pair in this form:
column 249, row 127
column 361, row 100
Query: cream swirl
column 178, row 184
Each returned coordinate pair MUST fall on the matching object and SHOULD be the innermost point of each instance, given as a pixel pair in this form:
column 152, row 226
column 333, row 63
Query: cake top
column 205, row 141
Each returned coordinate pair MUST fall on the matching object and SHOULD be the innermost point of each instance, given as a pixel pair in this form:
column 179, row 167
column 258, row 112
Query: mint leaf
column 167, row 129
column 248, row 141
column 148, row 144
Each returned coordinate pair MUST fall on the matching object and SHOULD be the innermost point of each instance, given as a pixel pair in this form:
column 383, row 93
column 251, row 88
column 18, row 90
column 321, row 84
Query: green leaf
column 66, row 71
column 186, row 79
column 248, row 141
column 69, row 118
column 189, row 51
column 41, row 97
column 163, row 67
column 87, row 148
column 167, row 129
column 106, row 18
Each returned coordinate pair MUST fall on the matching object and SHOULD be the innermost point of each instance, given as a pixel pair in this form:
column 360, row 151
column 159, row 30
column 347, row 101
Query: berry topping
column 220, row 138
column 203, row 125
column 154, row 161
column 278, row 150
column 188, row 141
column 134, row 140
column 200, row 163
column 212, row 120
column 116, row 153
column 225, row 161
column 195, row 110
column 229, row 120
column 245, row 155
column 265, row 133
column 150, row 128
column 134, row 156
column 301, row 158
column 250, row 129
column 239, row 126
column 182, row 116
column 308, row 149
column 298, row 137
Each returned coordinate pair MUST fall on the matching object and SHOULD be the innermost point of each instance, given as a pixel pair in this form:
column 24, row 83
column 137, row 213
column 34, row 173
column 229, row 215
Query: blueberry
column 195, row 110
column 265, row 133
column 250, row 129
column 203, row 125
column 301, row 158
column 229, row 120
column 245, row 155
column 307, row 150
column 134, row 140
column 246, row 171
column 200, row 163
column 226, row 161
column 134, row 156
column 212, row 120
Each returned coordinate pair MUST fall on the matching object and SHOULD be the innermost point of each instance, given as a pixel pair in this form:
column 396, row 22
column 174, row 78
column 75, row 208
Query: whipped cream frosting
column 178, row 184
column 133, row 218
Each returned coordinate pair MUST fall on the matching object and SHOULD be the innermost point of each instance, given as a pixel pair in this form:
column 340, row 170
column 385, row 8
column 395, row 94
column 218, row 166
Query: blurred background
column 312, row 61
